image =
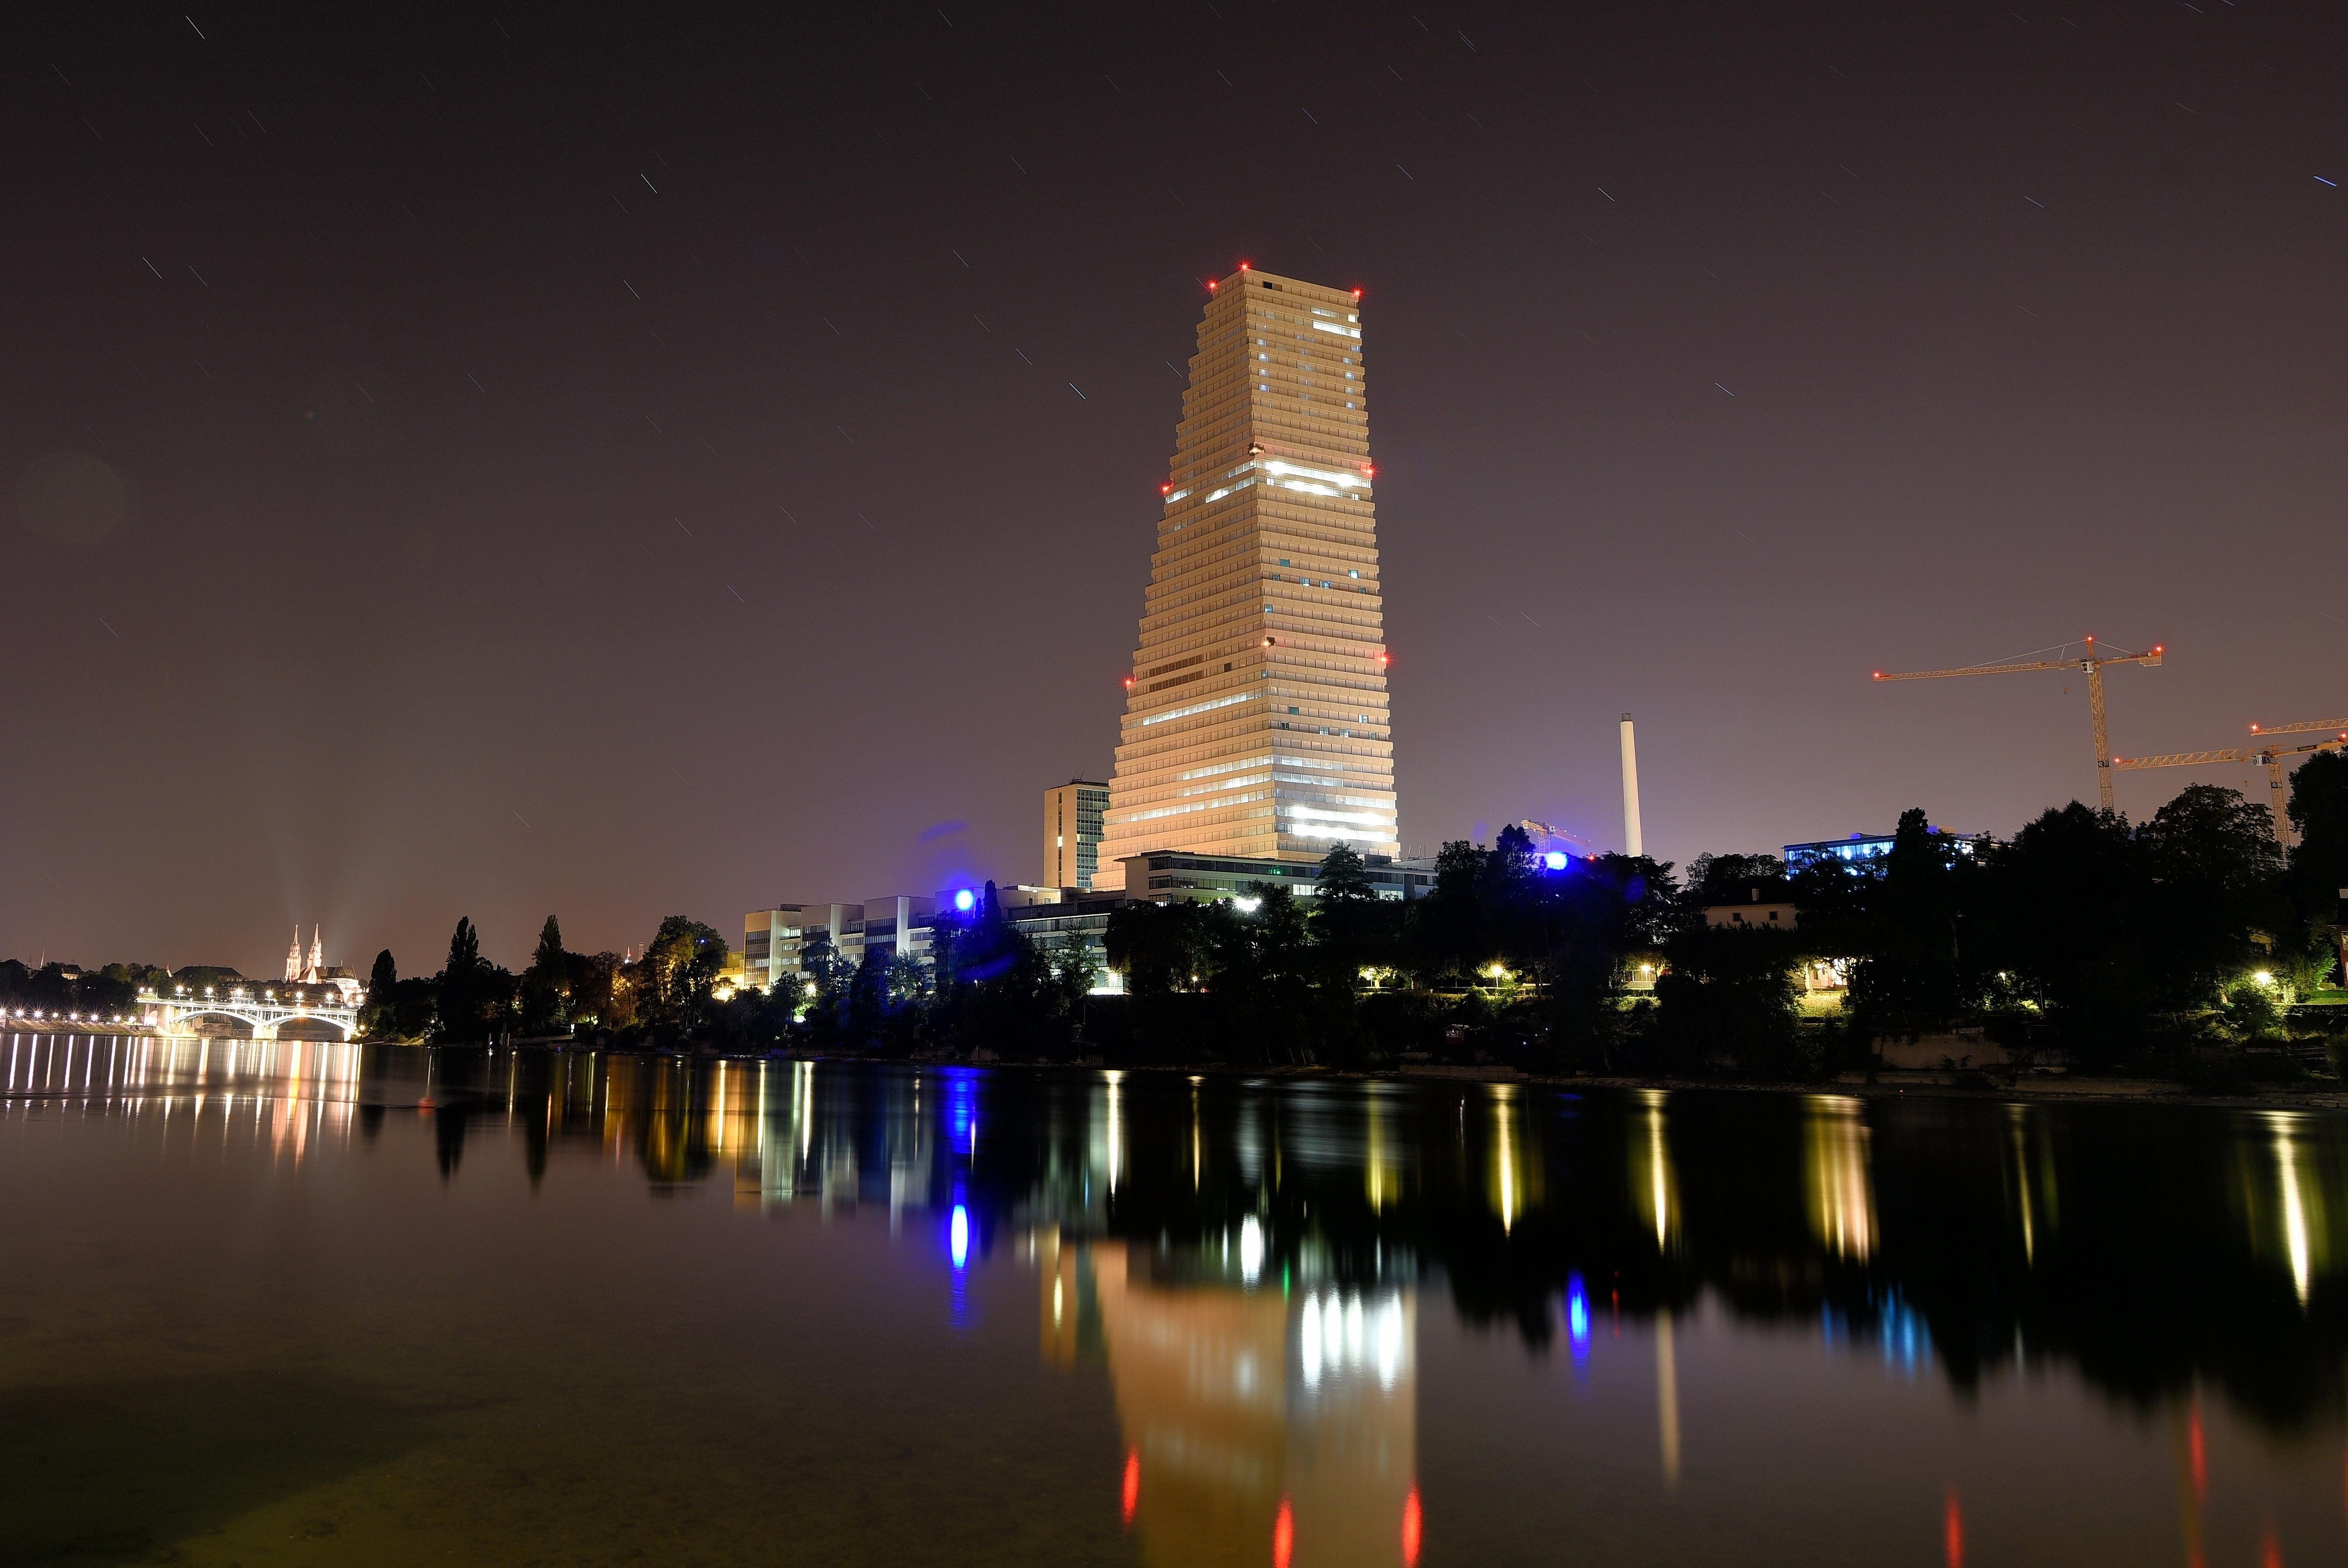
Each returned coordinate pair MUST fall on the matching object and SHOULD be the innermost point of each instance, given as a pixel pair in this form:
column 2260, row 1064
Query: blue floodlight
column 960, row 1236
column 1555, row 859
column 1577, row 1316
column 965, row 901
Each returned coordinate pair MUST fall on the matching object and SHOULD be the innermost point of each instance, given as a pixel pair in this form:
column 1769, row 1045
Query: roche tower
column 1255, row 719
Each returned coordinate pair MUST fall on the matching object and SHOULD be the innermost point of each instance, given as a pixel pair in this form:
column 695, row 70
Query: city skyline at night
column 431, row 490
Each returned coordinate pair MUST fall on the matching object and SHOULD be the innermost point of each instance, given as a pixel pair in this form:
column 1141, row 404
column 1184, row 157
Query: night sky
column 628, row 462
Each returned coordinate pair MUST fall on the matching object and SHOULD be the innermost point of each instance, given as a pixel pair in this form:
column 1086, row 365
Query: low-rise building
column 1162, row 876
column 776, row 941
column 897, row 925
column 1871, row 846
column 1767, row 908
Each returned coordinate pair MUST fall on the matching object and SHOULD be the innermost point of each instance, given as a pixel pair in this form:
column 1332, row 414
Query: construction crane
column 2269, row 755
column 2310, row 727
column 2091, row 661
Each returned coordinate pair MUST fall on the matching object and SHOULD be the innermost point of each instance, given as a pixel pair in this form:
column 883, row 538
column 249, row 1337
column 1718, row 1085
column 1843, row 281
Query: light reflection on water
column 1308, row 1322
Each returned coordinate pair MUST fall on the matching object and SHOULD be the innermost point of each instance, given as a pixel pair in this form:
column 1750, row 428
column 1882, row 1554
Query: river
column 299, row 1303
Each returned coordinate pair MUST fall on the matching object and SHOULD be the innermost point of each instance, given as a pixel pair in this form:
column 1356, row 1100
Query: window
column 1353, row 573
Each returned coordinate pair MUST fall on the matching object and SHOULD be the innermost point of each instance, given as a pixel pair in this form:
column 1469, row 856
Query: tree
column 603, row 992
column 2063, row 900
column 1258, row 966
column 546, row 984
column 1159, row 947
column 464, row 948
column 1353, row 928
column 1344, row 877
column 1909, row 977
column 1732, row 879
column 1729, row 992
column 996, row 992
column 1447, row 932
column 2319, row 863
column 476, row 996
column 550, row 953
column 2218, row 906
column 380, row 1014
column 677, row 973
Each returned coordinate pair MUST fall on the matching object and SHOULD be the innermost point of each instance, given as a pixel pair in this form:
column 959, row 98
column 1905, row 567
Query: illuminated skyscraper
column 1255, row 719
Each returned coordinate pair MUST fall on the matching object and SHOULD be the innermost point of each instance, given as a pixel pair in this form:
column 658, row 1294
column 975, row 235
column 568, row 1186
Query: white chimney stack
column 1631, row 844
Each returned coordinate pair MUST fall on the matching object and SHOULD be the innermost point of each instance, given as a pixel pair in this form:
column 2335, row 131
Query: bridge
column 265, row 1011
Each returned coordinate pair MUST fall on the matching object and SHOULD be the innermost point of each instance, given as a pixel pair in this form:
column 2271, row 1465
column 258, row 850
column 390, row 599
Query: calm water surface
column 311, row 1304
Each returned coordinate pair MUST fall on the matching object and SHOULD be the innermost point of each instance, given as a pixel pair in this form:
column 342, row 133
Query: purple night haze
column 618, row 463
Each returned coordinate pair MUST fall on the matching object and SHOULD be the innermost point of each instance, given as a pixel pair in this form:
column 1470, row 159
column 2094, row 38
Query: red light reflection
column 1131, row 1498
column 1283, row 1536
column 1954, row 1526
column 2200, row 1451
column 1410, row 1528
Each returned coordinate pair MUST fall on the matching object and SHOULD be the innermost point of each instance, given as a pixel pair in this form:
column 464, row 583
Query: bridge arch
column 265, row 1022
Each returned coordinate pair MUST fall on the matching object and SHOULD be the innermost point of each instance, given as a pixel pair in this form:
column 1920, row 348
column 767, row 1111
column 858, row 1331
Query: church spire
column 293, row 955
column 317, row 970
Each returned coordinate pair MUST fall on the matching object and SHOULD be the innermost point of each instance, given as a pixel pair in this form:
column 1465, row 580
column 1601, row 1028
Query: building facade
column 1861, row 848
column 1256, row 723
column 776, row 941
column 1176, row 876
column 1072, row 814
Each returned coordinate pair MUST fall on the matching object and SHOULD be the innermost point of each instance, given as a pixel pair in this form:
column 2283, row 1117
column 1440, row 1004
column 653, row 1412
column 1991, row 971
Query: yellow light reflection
column 2302, row 1197
column 1667, row 1396
column 1836, row 1175
column 1505, row 1197
column 1652, row 1180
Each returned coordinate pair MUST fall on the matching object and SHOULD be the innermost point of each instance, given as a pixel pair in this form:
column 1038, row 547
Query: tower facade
column 1073, row 813
column 1255, row 718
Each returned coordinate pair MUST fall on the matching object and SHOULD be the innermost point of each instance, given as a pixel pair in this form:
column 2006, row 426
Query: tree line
column 662, row 997
column 2147, row 945
column 2116, row 943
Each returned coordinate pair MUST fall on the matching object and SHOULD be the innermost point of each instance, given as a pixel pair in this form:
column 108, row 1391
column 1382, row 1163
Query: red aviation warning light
column 1357, row 294
column 1243, row 266
column 1165, row 490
